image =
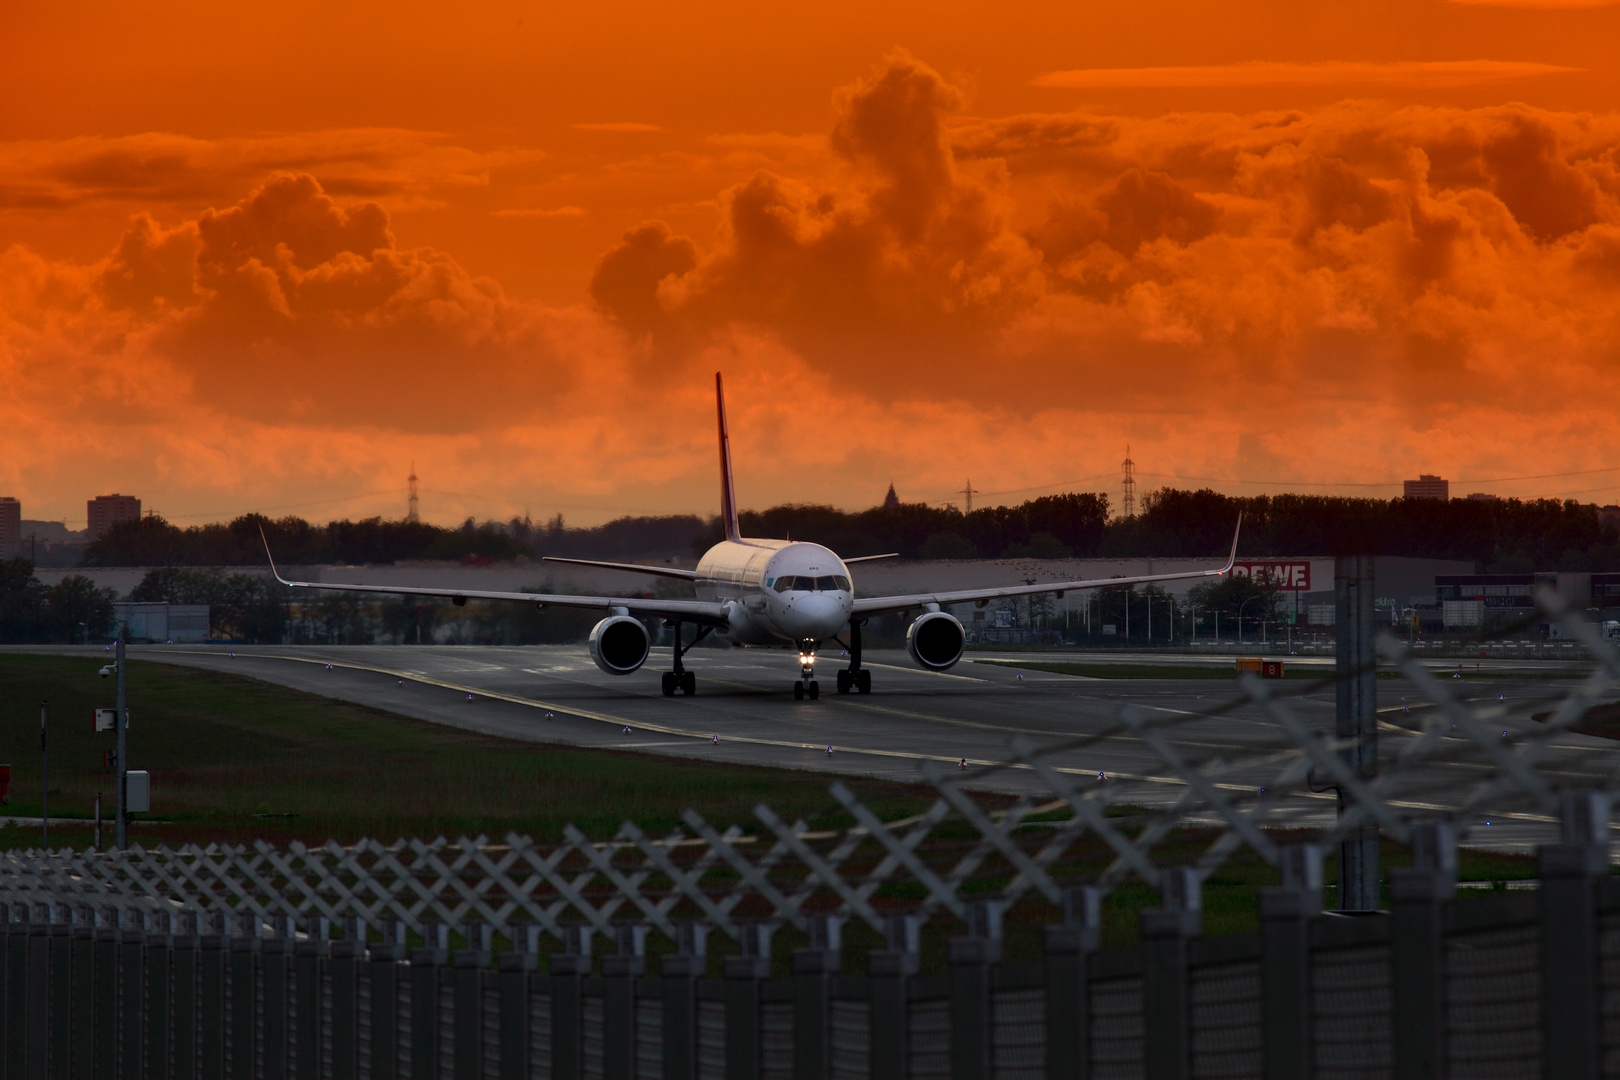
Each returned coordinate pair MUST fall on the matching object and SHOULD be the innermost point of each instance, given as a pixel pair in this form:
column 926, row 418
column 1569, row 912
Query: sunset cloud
column 1358, row 290
column 1408, row 74
column 622, row 128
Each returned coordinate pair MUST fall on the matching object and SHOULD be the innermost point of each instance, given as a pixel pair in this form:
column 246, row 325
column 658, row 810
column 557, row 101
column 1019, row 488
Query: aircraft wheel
column 844, row 680
column 815, row 690
column 798, row 691
column 863, row 681
column 688, row 683
column 669, row 684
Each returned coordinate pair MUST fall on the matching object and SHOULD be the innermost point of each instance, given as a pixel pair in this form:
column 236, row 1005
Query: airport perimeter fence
column 337, row 961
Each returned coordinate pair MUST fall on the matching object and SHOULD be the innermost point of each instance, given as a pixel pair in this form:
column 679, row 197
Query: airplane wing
column 693, row 611
column 660, row 571
column 883, row 605
column 870, row 558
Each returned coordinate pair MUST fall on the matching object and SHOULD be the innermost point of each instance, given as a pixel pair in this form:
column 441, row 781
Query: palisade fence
column 336, row 961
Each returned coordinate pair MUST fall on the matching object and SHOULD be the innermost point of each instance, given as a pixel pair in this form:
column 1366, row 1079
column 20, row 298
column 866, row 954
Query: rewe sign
column 1281, row 575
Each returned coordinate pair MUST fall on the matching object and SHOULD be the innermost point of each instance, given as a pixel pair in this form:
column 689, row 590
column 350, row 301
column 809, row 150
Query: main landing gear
column 854, row 677
column 681, row 679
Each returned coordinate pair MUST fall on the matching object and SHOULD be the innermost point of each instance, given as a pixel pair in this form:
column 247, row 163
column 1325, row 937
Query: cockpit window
column 843, row 582
column 783, row 584
column 825, row 583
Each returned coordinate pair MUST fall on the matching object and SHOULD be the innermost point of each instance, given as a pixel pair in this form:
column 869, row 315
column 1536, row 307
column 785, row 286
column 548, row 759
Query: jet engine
column 935, row 641
column 619, row 644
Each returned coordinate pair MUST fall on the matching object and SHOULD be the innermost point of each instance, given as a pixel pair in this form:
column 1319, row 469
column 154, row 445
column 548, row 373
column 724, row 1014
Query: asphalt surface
column 744, row 711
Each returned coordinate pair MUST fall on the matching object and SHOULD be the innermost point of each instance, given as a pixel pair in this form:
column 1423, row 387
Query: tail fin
column 728, row 493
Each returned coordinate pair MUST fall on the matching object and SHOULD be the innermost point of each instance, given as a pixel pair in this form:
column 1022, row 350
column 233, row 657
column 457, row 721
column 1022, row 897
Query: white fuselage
column 778, row 591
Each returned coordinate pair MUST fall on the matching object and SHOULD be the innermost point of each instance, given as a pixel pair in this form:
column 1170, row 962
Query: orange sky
column 262, row 257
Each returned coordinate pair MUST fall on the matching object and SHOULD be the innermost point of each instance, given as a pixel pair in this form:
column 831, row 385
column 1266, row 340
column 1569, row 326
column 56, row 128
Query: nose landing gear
column 807, row 686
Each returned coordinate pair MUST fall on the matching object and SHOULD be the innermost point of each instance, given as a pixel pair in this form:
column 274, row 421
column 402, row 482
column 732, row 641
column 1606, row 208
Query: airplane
column 775, row 593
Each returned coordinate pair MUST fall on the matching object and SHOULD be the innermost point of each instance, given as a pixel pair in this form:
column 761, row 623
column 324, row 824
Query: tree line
column 1505, row 535
column 73, row 611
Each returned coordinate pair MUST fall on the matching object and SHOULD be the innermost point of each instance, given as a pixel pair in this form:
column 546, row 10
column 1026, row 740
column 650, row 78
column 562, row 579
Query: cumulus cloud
column 1351, row 292
column 394, row 165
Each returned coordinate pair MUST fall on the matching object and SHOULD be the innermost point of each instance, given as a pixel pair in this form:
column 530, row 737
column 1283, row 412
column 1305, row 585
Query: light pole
column 1241, row 606
column 121, row 725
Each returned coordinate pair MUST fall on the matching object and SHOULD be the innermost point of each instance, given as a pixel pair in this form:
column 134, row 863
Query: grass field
column 230, row 757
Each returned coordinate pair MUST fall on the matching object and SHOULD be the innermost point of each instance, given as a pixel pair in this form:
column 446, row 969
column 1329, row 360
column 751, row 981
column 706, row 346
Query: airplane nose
column 818, row 616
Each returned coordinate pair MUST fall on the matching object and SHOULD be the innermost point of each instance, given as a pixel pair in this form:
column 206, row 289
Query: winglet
column 1232, row 558
column 728, row 493
column 272, row 558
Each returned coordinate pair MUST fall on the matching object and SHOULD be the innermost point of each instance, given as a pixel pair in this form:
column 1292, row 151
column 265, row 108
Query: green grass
column 1149, row 671
column 222, row 749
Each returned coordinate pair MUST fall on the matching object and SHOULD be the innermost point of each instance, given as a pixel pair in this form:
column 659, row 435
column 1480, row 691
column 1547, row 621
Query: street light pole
column 121, row 725
column 45, row 778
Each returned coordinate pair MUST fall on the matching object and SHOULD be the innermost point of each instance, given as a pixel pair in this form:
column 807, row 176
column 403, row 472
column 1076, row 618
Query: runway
column 743, row 711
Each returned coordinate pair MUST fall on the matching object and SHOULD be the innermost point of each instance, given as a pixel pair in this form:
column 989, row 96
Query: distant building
column 10, row 527
column 1480, row 496
column 105, row 511
column 1428, row 487
column 891, row 501
column 163, row 622
column 1609, row 515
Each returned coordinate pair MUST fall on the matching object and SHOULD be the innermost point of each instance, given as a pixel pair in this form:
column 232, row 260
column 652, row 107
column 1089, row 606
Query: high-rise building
column 105, row 511
column 10, row 527
column 1428, row 487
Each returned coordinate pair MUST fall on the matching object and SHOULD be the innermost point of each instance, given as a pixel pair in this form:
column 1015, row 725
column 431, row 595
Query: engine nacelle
column 936, row 640
column 619, row 644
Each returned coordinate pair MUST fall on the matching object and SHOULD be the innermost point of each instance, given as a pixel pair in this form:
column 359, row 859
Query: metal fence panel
column 1018, row 1034
column 929, row 1026
column 1117, row 1029
column 851, row 1040
column 776, row 1040
column 649, row 1038
column 1351, row 1031
column 1493, row 1004
column 1226, row 1021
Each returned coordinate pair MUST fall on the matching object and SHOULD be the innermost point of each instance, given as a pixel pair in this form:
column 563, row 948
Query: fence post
column 568, row 971
column 16, row 975
column 61, row 978
column 743, row 975
column 970, row 960
column 469, row 965
column 1356, row 720
column 183, row 1055
column 344, row 961
column 1417, row 951
column 813, row 971
column 425, row 965
column 680, row 972
column 212, row 953
column 1570, row 987
column 37, row 1026
column 619, row 974
column 1167, row 1044
column 84, row 968
column 383, row 971
column 516, row 970
column 244, row 956
column 275, row 960
column 309, row 958
column 106, row 992
column 159, row 993
column 889, row 971
column 1285, row 963
column 1068, row 1019
column 131, row 1017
